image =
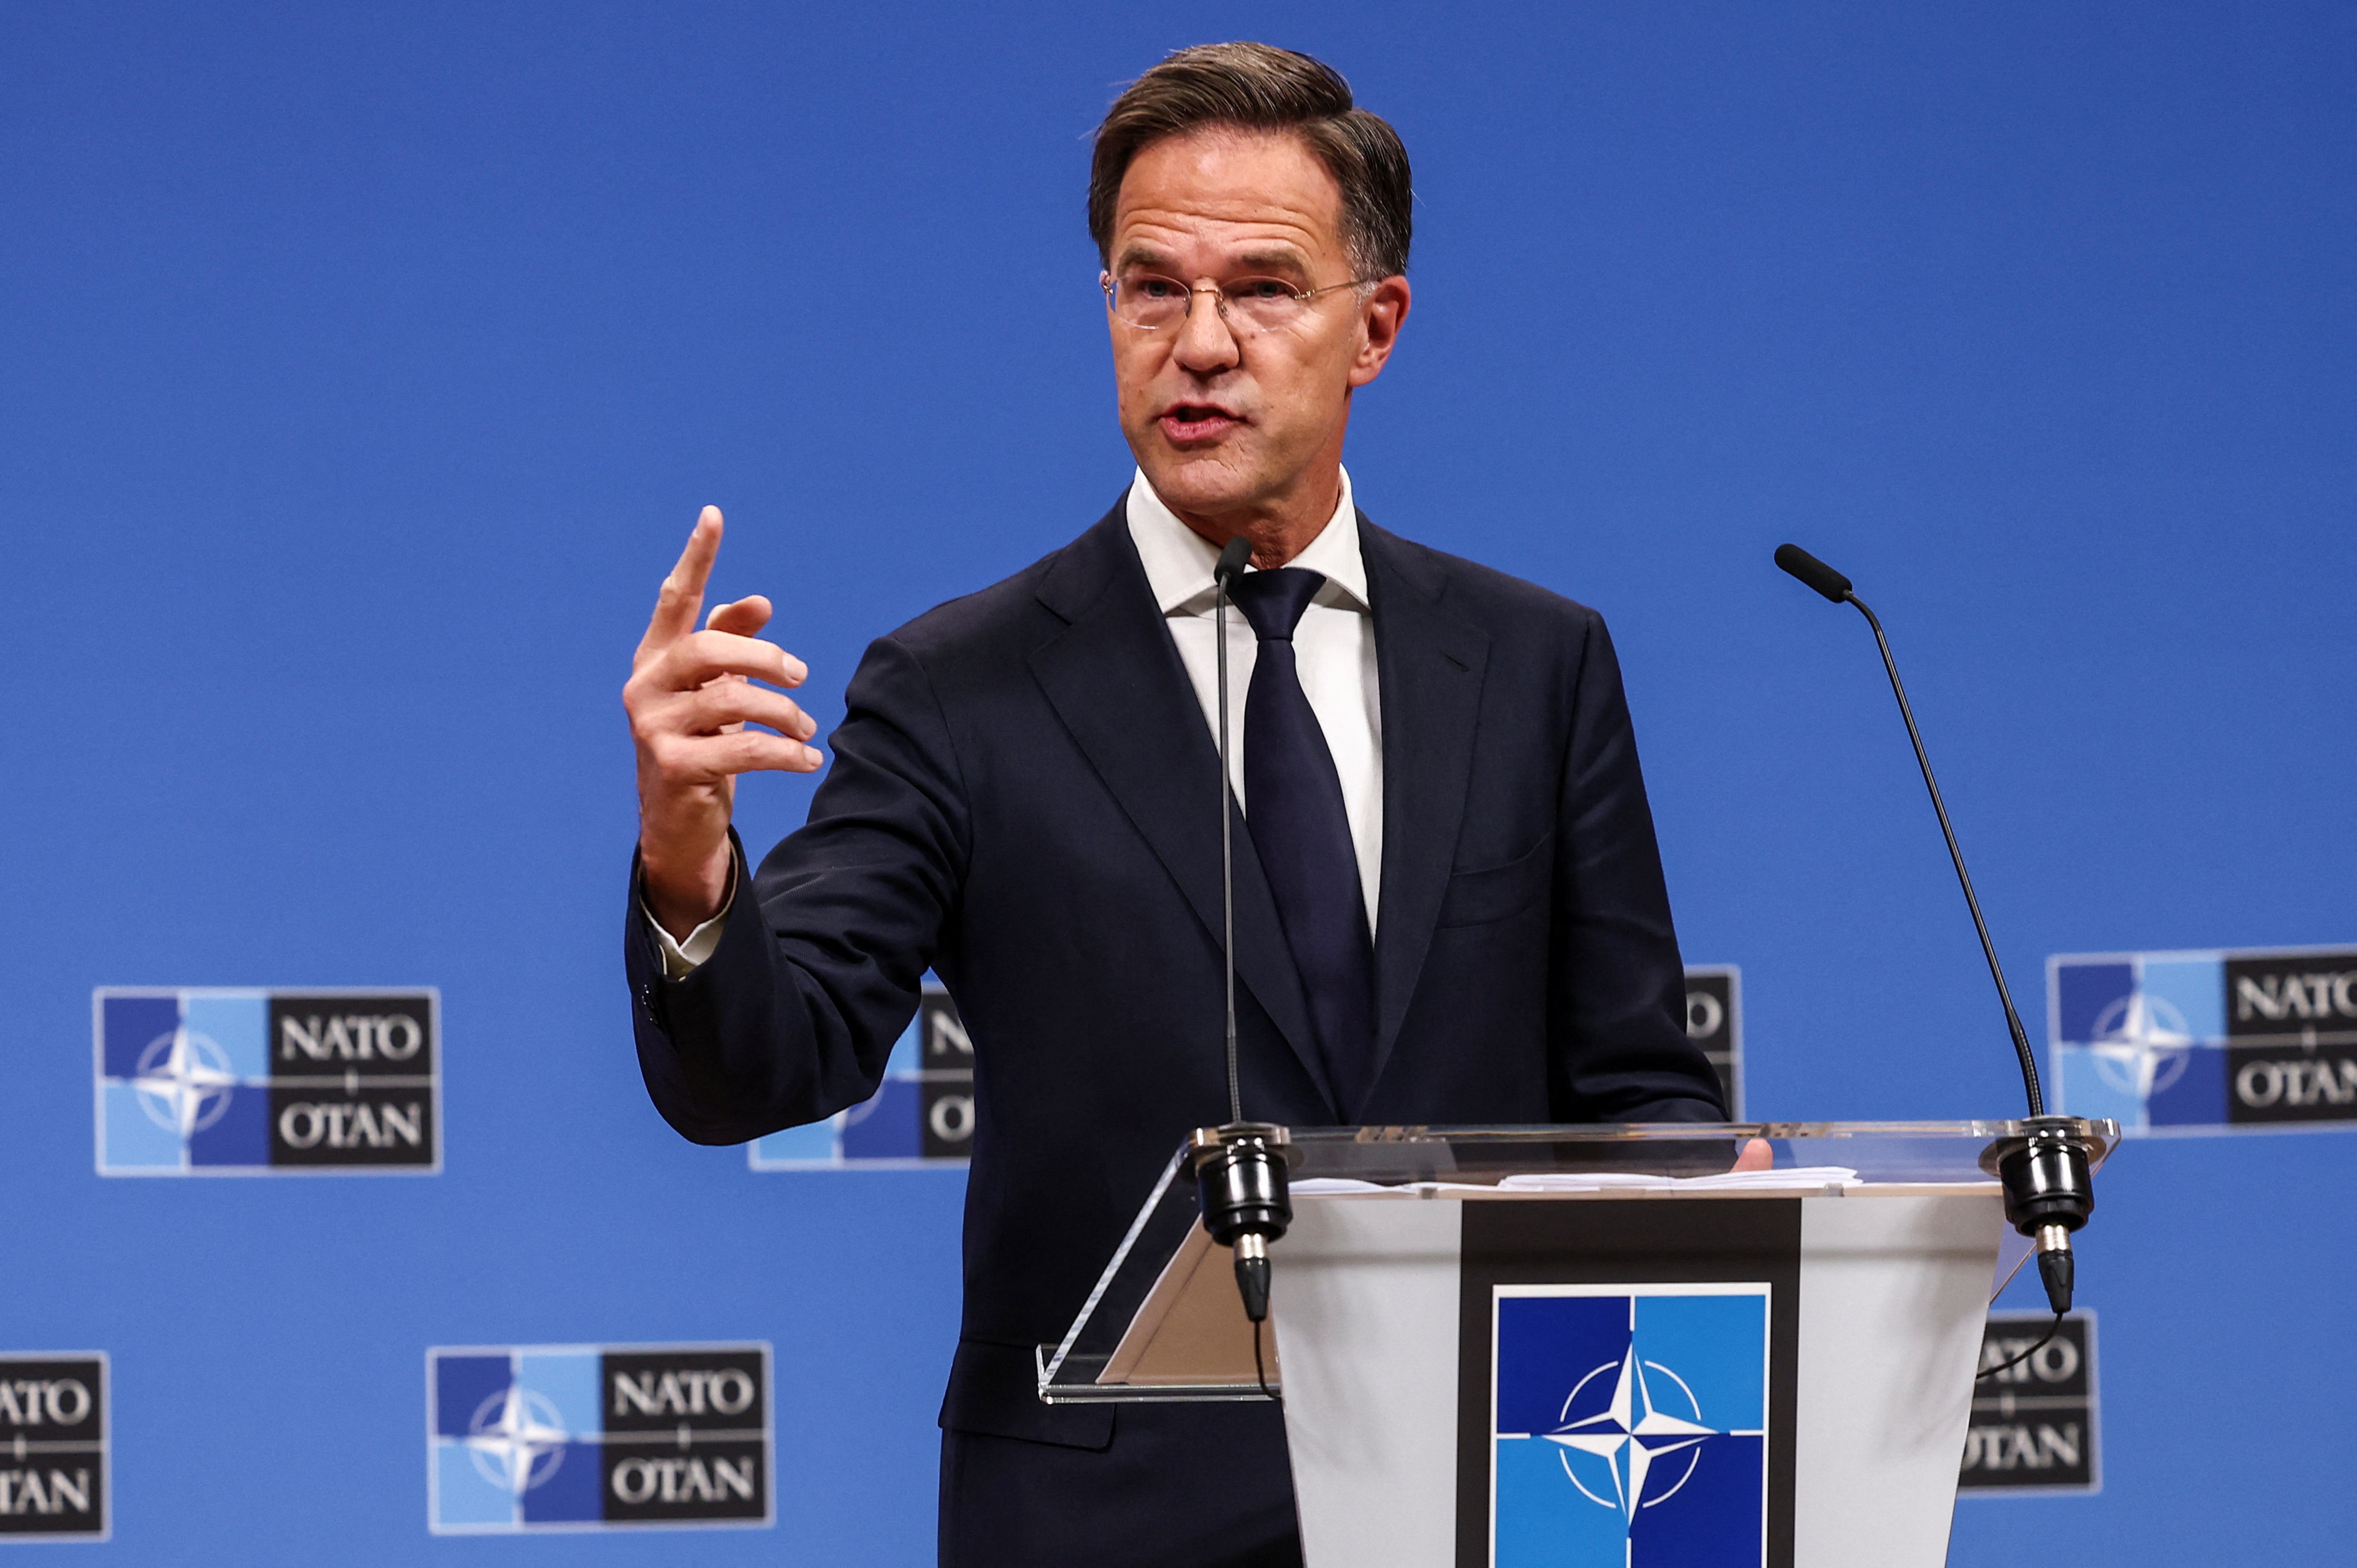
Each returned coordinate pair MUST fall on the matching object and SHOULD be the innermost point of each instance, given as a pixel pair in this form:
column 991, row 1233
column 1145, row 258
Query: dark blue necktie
column 1293, row 806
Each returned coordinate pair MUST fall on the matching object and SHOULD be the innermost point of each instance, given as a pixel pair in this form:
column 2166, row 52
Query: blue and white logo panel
column 2206, row 1042
column 921, row 1116
column 571, row 1437
column 210, row 1081
column 1630, row 1425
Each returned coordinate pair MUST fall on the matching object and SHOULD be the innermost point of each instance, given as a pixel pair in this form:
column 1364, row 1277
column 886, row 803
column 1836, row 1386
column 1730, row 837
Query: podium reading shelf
column 1591, row 1345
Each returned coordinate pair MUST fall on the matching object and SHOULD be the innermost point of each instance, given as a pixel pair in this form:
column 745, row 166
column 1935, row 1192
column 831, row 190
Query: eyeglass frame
column 1218, row 292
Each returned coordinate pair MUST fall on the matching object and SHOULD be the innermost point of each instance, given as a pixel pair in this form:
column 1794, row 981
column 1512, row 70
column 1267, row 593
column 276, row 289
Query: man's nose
column 1206, row 344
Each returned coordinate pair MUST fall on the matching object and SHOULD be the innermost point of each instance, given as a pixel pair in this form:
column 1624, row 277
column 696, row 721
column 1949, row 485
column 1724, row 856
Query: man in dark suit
column 1449, row 904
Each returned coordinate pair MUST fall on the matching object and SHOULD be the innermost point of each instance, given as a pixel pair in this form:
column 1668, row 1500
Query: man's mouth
column 1196, row 420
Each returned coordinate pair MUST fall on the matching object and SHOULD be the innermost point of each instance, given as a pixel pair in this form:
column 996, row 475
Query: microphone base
column 2050, row 1195
column 1240, row 1186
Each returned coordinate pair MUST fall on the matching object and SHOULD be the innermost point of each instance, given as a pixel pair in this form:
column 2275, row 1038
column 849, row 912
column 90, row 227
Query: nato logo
column 569, row 1437
column 2206, row 1042
column 211, row 1081
column 923, row 1115
column 1630, row 1426
column 53, row 1446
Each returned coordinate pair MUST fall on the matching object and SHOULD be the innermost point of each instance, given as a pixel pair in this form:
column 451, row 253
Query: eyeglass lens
column 1148, row 301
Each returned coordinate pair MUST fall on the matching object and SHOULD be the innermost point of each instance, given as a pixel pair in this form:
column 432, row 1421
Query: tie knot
column 1273, row 601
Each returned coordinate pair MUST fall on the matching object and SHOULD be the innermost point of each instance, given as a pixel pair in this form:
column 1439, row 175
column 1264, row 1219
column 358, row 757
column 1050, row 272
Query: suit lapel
column 1115, row 680
column 1430, row 664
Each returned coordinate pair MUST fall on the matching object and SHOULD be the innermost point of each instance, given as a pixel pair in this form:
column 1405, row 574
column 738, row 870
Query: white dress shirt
column 1333, row 651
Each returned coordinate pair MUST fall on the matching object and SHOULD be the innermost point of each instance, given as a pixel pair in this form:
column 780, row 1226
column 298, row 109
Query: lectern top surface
column 1871, row 1151
column 1687, row 1160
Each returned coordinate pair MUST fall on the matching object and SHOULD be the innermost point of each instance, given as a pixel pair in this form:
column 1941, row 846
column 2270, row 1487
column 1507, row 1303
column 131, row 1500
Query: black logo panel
column 2291, row 1028
column 1715, row 1022
column 686, row 1434
column 53, row 1446
column 945, row 1080
column 2034, row 1426
column 351, row 1079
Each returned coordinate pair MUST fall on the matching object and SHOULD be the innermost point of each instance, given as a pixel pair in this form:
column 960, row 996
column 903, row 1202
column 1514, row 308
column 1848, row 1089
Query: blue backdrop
column 364, row 368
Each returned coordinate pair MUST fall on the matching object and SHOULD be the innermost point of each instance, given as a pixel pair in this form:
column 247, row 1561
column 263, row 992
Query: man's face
column 1234, row 425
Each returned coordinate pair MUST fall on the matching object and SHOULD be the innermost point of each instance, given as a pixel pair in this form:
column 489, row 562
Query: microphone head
column 1233, row 559
column 1813, row 572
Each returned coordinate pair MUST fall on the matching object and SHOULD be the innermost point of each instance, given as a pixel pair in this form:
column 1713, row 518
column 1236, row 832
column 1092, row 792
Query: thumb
column 742, row 618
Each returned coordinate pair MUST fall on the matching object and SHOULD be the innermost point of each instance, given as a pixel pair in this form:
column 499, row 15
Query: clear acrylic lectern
column 1566, row 1345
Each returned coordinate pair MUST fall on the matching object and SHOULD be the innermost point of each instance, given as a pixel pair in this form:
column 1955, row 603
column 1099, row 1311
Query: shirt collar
column 1178, row 561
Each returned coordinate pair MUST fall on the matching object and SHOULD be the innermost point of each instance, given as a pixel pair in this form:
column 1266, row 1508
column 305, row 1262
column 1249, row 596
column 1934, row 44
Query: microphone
column 1813, row 572
column 2049, row 1191
column 1240, row 1168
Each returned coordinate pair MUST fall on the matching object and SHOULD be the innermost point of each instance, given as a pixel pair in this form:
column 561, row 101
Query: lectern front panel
column 1632, row 1383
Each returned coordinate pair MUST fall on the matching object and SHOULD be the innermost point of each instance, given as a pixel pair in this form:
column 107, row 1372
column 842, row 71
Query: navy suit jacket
column 1024, row 799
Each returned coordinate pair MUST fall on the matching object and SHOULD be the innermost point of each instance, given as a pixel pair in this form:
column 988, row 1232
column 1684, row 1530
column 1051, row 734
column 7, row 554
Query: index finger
column 682, row 595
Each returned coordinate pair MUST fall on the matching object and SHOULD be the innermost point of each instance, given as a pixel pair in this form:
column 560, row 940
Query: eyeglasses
column 1150, row 302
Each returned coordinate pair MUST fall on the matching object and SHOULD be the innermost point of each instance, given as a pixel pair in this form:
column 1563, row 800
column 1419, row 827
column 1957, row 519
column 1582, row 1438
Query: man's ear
column 1381, row 317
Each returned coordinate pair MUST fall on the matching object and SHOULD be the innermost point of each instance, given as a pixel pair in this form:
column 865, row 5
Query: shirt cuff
column 680, row 959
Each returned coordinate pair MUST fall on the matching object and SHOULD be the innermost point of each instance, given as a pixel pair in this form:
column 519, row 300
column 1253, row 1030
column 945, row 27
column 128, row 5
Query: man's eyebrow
column 1280, row 258
column 1137, row 255
column 1284, row 258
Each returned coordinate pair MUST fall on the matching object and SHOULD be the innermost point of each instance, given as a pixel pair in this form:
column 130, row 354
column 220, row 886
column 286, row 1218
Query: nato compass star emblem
column 1636, row 1449
column 2141, row 1045
column 183, row 1081
column 1668, row 1405
column 516, row 1439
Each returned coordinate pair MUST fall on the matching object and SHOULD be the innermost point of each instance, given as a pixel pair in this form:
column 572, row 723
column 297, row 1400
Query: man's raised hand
column 691, row 697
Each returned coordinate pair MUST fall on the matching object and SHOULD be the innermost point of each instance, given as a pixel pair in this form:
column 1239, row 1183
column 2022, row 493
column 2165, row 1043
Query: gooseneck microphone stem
column 1240, row 1186
column 1964, row 878
column 2046, row 1169
column 1232, row 561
